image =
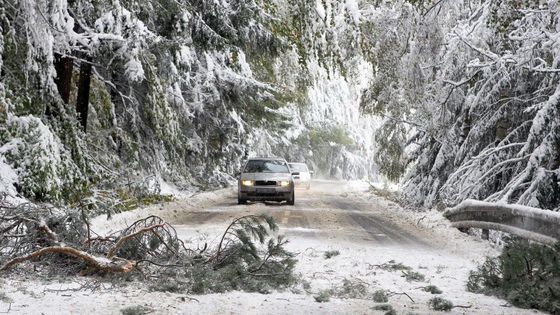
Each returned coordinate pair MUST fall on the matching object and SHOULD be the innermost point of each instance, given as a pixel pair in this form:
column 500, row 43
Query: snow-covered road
column 368, row 231
column 329, row 210
column 374, row 238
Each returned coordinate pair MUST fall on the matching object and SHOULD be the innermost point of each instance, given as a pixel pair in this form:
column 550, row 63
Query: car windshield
column 298, row 167
column 266, row 166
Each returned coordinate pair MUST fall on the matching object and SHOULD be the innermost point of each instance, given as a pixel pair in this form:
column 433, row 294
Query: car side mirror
column 295, row 173
column 311, row 172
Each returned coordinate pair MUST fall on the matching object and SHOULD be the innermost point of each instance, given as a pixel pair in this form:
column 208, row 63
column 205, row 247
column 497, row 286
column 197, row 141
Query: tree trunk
column 63, row 66
column 82, row 102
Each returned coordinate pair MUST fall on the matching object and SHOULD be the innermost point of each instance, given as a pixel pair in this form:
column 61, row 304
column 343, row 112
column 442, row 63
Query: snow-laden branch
column 490, row 55
column 501, row 124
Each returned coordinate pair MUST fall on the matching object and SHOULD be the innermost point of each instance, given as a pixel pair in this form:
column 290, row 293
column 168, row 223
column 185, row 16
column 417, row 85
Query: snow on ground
column 445, row 263
column 170, row 189
column 393, row 187
column 167, row 211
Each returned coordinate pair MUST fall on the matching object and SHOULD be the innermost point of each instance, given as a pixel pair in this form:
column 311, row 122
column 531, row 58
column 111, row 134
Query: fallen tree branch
column 113, row 250
column 109, row 238
column 462, row 306
column 101, row 263
column 218, row 252
column 42, row 226
column 401, row 293
column 157, row 264
column 147, row 247
column 184, row 298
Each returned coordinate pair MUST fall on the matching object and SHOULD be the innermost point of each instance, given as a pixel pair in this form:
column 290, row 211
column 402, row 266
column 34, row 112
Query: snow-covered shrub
column 388, row 308
column 352, row 289
column 380, row 296
column 44, row 167
column 323, row 296
column 136, row 310
column 526, row 274
column 440, row 304
column 331, row 253
column 432, row 289
column 249, row 257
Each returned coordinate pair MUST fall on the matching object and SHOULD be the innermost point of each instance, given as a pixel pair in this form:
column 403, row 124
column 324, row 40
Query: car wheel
column 292, row 199
column 241, row 201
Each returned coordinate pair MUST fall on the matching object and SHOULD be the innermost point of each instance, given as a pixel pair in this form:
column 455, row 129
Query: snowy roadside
column 349, row 277
column 169, row 211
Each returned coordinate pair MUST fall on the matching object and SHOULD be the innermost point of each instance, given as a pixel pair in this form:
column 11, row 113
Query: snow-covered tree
column 184, row 90
column 483, row 117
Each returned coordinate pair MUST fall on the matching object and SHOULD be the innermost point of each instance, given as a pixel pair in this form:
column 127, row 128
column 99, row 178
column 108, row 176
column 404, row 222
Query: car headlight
column 284, row 183
column 247, row 183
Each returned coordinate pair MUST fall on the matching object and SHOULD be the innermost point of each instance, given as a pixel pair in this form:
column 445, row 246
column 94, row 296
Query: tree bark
column 64, row 66
column 82, row 102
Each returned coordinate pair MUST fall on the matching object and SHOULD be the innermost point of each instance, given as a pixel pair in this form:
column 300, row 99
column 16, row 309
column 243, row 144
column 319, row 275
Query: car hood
column 266, row 176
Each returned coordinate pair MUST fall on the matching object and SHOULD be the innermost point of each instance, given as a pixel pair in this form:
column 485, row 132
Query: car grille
column 265, row 183
column 266, row 194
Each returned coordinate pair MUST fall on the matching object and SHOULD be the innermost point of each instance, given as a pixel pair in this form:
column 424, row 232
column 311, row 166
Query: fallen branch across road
column 535, row 224
column 251, row 255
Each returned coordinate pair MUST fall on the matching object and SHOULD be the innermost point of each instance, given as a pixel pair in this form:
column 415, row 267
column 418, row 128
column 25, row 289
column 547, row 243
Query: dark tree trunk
column 63, row 66
column 485, row 234
column 82, row 102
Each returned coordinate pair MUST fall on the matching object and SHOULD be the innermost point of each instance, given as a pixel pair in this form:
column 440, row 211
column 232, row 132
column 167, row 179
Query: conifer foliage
column 251, row 255
column 526, row 274
column 183, row 90
column 469, row 95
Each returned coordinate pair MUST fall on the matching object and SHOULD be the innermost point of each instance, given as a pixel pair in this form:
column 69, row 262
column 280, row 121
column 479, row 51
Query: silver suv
column 266, row 179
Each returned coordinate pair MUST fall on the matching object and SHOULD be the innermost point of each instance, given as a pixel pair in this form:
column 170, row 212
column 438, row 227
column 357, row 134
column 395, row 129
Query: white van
column 303, row 179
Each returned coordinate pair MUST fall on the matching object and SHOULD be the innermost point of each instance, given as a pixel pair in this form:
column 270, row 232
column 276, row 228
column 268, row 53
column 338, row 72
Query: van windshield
column 266, row 166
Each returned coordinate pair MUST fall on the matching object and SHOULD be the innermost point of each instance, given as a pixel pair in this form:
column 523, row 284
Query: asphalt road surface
column 335, row 210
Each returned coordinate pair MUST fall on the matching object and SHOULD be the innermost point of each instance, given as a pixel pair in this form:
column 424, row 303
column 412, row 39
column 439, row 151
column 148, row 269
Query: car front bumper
column 265, row 193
